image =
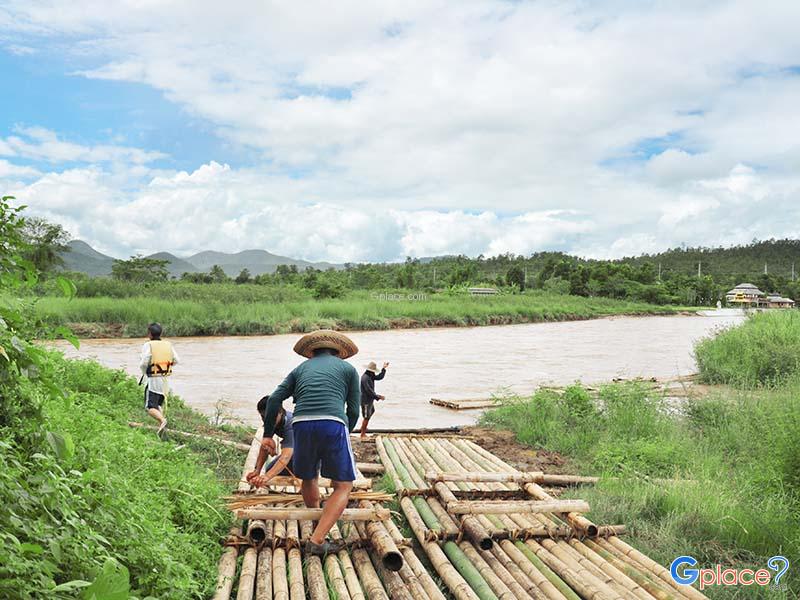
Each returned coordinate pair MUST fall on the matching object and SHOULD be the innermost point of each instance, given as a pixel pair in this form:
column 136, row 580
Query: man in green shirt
column 326, row 392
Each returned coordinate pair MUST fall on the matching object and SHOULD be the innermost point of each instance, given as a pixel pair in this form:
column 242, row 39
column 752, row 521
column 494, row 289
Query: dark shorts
column 153, row 400
column 367, row 408
column 323, row 447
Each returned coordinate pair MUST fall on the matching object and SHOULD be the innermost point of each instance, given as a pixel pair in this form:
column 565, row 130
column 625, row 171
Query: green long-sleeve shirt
column 322, row 387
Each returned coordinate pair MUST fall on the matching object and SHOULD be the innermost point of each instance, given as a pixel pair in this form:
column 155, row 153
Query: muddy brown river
column 454, row 363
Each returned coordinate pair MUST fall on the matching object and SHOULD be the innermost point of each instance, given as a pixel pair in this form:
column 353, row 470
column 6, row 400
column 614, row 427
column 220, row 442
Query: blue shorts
column 323, row 447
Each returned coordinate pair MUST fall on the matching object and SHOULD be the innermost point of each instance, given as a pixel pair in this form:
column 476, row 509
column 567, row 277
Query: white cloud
column 8, row 170
column 469, row 127
column 38, row 143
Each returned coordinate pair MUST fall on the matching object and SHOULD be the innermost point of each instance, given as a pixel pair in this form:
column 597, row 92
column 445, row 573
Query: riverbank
column 358, row 311
column 98, row 501
column 730, row 456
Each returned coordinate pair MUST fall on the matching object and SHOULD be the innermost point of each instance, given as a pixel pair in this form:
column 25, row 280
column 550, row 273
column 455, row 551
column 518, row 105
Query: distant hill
column 176, row 266
column 255, row 261
column 85, row 259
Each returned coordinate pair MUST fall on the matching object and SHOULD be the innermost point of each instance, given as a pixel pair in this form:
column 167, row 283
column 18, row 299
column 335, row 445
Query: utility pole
column 792, row 271
column 699, row 271
column 765, row 269
column 434, row 276
column 659, row 271
column 525, row 278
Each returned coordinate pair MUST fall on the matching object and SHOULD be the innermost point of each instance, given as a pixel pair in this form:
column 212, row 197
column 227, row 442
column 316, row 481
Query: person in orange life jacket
column 282, row 464
column 157, row 360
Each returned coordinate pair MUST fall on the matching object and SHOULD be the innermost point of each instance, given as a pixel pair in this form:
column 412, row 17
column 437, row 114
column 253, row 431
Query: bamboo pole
column 373, row 588
column 545, row 579
column 361, row 483
column 570, row 555
column 256, row 532
column 421, row 573
column 475, row 507
column 577, row 577
column 483, row 477
column 386, row 461
column 208, row 438
column 472, row 527
column 334, row 574
column 276, row 513
column 382, row 543
column 468, row 571
column 602, row 557
column 247, row 576
column 651, row 566
column 497, row 585
column 264, row 575
column 315, row 575
column 280, row 585
column 501, row 569
column 297, row 589
column 457, row 585
column 519, row 575
column 252, row 457
column 370, row 468
column 347, row 568
column 226, row 570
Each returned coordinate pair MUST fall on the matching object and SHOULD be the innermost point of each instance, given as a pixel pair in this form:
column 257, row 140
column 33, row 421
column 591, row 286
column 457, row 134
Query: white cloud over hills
column 379, row 130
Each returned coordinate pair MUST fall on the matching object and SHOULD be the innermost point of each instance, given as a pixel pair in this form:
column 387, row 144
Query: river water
column 452, row 363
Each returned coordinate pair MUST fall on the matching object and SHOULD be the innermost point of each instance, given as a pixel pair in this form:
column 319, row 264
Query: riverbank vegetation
column 89, row 507
column 717, row 478
column 251, row 310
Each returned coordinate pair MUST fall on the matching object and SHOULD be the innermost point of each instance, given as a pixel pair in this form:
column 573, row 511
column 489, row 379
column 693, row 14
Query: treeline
column 679, row 276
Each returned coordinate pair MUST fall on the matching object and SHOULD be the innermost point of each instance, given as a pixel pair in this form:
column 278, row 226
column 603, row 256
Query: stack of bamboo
column 265, row 560
column 538, row 547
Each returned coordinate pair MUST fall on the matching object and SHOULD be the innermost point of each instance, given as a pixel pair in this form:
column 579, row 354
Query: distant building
column 776, row 301
column 483, row 291
column 746, row 294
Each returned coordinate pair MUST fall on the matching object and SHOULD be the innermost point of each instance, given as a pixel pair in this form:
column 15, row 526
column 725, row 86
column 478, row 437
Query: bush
column 765, row 350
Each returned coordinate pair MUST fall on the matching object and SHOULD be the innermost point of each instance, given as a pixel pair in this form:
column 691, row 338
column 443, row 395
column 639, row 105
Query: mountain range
column 84, row 259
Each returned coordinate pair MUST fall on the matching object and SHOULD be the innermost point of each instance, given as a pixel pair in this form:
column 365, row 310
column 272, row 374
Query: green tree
column 516, row 276
column 243, row 276
column 139, row 269
column 46, row 243
column 217, row 274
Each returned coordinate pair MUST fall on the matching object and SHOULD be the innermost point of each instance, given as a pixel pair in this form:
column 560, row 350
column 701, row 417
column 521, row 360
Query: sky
column 372, row 131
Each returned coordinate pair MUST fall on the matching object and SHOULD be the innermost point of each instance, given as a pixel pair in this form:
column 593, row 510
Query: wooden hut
column 778, row 301
column 746, row 294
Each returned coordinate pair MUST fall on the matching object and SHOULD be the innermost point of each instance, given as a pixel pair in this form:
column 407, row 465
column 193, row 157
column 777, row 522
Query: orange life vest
column 161, row 359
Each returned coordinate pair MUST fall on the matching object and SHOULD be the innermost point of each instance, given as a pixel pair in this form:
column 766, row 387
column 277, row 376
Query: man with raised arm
column 326, row 392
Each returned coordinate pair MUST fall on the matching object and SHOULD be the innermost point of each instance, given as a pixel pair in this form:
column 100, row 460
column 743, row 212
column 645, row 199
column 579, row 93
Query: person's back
column 321, row 388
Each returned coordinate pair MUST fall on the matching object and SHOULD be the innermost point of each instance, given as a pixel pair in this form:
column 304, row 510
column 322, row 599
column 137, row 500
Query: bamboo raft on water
column 501, row 551
column 466, row 404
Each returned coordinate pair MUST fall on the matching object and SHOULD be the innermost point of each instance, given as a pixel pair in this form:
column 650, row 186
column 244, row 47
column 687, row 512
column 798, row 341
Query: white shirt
column 157, row 385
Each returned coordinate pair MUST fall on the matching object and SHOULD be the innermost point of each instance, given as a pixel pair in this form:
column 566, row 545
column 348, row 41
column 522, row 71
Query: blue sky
column 380, row 131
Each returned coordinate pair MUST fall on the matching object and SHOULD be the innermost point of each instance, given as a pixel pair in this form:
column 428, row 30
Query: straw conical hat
column 325, row 338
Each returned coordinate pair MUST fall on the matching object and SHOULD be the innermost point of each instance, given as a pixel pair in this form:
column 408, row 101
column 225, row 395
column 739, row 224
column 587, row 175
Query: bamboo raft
column 466, row 404
column 534, row 546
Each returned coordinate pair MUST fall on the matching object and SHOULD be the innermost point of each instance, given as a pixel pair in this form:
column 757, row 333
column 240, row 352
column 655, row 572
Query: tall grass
column 734, row 457
column 765, row 350
column 356, row 311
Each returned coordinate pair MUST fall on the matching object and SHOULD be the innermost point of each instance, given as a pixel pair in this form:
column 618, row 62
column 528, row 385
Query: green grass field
column 231, row 314
column 735, row 454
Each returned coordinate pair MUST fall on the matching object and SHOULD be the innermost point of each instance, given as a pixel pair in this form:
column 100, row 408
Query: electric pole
column 659, row 271
column 699, row 271
column 525, row 277
column 434, row 276
column 792, row 271
column 765, row 269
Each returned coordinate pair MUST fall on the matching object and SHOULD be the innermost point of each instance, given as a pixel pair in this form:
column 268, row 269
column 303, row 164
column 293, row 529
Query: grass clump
column 764, row 351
